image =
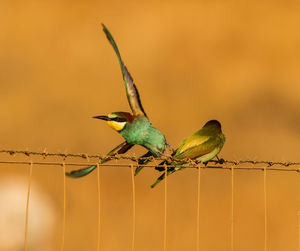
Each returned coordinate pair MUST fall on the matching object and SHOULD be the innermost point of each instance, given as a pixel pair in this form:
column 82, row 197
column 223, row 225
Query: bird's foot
column 220, row 160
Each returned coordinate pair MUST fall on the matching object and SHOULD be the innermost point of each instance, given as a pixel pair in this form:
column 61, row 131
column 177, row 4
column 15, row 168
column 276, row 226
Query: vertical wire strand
column 165, row 208
column 232, row 208
column 298, row 215
column 99, row 206
column 27, row 205
column 64, row 207
column 265, row 208
column 298, row 230
column 133, row 207
column 198, row 208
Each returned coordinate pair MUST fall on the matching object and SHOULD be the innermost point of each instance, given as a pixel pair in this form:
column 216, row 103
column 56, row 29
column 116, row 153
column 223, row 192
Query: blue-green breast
column 141, row 132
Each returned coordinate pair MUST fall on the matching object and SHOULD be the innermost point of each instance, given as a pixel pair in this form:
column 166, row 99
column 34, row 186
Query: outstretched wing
column 131, row 90
column 120, row 149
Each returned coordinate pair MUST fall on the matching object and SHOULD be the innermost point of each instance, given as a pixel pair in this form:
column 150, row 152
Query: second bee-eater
column 135, row 128
column 203, row 145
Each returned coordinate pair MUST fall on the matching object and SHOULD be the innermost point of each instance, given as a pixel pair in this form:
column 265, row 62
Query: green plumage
column 138, row 129
column 203, row 145
column 141, row 132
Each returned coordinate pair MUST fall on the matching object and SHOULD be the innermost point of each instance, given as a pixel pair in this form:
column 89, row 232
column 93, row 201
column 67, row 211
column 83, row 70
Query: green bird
column 203, row 145
column 135, row 128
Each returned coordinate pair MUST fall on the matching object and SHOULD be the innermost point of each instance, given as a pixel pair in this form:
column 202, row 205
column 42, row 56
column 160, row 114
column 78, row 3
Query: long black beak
column 102, row 117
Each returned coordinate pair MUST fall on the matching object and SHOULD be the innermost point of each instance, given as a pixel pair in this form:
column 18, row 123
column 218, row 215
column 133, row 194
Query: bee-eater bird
column 203, row 145
column 135, row 128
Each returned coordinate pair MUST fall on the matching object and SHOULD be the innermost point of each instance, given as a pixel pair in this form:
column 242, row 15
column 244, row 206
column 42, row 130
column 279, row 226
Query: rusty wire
column 224, row 164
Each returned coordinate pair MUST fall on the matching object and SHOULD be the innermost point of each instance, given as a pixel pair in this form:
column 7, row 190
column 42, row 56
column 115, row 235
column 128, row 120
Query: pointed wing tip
column 108, row 34
column 71, row 175
column 80, row 173
column 155, row 183
column 159, row 179
column 137, row 170
column 104, row 28
column 75, row 174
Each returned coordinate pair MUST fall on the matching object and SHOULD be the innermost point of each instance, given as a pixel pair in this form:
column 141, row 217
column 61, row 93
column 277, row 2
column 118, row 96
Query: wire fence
column 223, row 164
column 231, row 165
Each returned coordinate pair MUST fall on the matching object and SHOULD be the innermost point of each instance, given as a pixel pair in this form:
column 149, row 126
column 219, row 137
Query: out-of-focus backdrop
column 192, row 61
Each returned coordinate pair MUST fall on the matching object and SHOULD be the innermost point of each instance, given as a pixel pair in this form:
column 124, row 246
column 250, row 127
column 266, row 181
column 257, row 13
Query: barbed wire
column 217, row 164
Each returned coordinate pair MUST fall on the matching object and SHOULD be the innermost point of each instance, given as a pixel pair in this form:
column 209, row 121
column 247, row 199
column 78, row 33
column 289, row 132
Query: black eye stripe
column 117, row 119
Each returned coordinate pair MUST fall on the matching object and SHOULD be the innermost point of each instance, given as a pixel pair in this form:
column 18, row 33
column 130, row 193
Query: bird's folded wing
column 131, row 90
column 190, row 142
column 198, row 150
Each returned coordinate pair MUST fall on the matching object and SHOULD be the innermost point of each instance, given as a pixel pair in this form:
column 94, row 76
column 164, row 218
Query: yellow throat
column 118, row 126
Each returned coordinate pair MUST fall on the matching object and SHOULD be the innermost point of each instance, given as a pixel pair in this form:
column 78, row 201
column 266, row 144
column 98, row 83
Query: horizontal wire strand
column 133, row 158
column 228, row 167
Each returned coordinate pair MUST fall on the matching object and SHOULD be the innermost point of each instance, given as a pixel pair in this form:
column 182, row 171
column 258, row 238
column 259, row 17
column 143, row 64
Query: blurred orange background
column 192, row 61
